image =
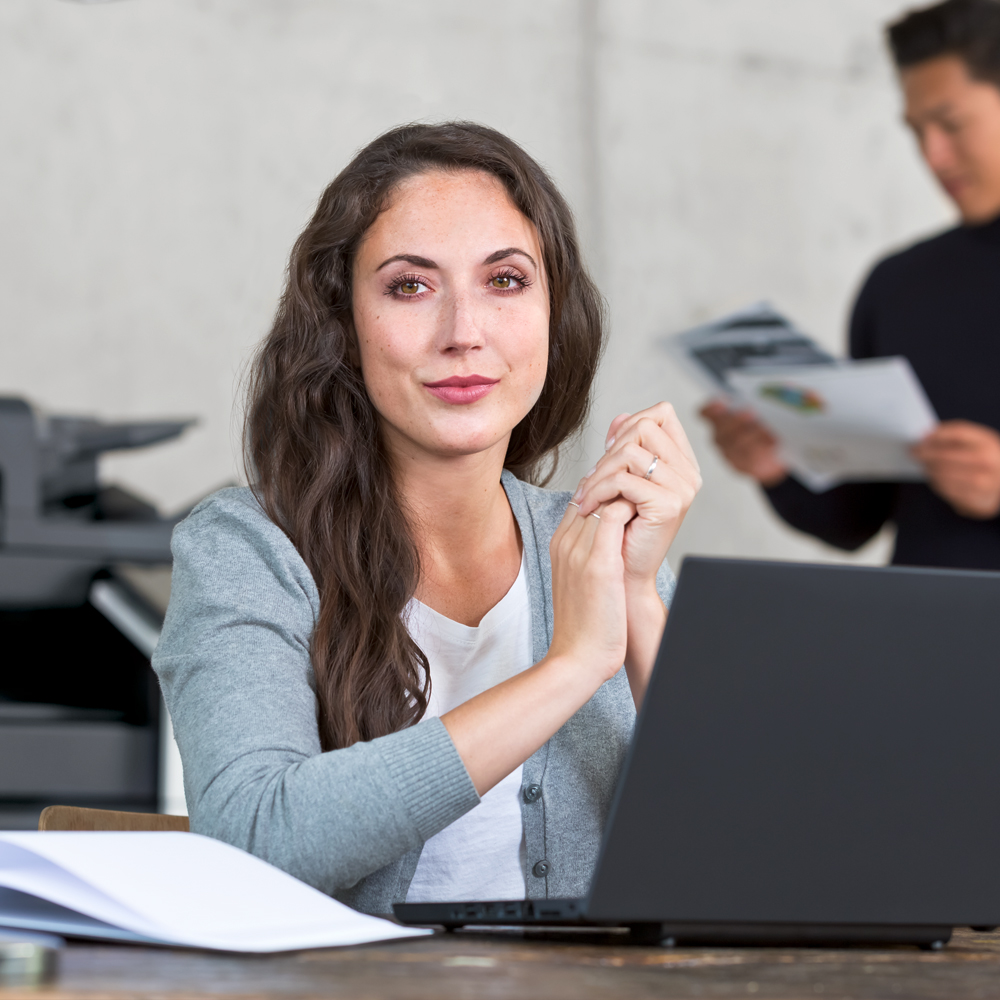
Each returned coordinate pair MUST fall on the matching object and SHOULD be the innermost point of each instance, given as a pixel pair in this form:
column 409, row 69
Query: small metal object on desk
column 28, row 959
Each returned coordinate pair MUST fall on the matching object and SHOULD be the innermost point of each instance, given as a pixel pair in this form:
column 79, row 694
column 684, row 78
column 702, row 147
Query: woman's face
column 451, row 309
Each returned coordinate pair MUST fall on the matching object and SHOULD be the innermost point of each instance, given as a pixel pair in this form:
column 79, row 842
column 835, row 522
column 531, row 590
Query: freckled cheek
column 387, row 345
column 524, row 331
column 386, row 370
column 527, row 361
column 530, row 347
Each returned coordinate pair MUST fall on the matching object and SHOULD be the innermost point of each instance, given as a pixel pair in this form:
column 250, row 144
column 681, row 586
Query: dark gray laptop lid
column 818, row 744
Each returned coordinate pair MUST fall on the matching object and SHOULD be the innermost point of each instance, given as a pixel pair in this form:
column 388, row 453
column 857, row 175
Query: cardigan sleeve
column 234, row 666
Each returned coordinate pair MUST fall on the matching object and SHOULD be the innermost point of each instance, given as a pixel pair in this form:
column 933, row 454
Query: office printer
column 79, row 705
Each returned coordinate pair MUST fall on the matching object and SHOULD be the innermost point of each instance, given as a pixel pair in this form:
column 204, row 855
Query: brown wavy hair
column 315, row 454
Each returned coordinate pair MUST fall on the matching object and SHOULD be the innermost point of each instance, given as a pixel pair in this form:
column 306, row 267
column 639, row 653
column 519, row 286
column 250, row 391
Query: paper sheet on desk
column 852, row 421
column 172, row 888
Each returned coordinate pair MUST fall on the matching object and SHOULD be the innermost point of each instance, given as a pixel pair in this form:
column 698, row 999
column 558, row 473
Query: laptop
column 817, row 760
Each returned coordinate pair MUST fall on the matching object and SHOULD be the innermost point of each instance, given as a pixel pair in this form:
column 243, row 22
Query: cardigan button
column 532, row 793
column 541, row 869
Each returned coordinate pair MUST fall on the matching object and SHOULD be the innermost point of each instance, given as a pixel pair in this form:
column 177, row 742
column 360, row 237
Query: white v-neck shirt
column 481, row 855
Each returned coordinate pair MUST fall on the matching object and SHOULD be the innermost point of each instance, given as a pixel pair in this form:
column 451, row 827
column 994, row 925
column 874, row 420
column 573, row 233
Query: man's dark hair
column 969, row 29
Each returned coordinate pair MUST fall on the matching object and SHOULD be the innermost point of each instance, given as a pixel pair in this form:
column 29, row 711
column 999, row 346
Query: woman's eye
column 412, row 287
column 508, row 282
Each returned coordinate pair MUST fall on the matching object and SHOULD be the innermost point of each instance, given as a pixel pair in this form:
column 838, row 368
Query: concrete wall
column 160, row 156
column 747, row 150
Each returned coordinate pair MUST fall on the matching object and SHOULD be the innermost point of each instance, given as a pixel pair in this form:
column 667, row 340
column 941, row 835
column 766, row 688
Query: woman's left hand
column 648, row 462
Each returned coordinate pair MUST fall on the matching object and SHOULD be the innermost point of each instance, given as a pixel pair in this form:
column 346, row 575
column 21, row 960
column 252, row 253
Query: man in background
column 937, row 304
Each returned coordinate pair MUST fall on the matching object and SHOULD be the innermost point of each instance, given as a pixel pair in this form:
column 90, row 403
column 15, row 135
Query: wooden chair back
column 74, row 818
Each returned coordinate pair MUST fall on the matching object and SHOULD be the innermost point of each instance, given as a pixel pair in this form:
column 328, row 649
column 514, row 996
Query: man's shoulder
column 925, row 253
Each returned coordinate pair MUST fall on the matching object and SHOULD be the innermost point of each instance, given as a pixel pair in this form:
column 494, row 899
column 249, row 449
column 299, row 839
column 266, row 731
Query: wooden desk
column 494, row 966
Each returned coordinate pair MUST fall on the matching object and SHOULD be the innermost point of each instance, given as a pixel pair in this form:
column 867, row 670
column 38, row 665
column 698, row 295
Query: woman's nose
column 461, row 328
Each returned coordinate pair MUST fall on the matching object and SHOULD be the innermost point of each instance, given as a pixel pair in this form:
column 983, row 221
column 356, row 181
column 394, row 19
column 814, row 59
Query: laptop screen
column 818, row 743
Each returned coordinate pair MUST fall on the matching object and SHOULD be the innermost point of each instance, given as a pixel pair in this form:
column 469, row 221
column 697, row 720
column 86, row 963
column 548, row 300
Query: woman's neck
column 464, row 530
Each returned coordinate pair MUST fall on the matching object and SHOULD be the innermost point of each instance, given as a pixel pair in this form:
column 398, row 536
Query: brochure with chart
column 836, row 420
column 173, row 889
column 854, row 420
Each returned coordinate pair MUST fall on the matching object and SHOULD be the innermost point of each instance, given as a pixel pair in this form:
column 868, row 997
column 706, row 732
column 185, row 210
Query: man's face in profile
column 956, row 120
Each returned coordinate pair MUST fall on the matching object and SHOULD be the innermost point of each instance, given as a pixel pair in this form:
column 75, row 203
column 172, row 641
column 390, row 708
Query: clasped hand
column 604, row 568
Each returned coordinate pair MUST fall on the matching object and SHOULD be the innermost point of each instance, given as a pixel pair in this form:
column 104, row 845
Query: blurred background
column 160, row 156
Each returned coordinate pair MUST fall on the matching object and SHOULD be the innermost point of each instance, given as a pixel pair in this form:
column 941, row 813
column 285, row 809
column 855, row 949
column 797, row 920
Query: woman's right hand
column 588, row 589
column 746, row 444
column 502, row 727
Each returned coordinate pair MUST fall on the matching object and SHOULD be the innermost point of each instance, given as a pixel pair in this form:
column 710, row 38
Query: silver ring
column 573, row 503
column 652, row 465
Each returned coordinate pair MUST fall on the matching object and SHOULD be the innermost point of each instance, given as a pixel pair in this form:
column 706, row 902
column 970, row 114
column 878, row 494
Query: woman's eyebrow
column 410, row 259
column 416, row 261
column 508, row 252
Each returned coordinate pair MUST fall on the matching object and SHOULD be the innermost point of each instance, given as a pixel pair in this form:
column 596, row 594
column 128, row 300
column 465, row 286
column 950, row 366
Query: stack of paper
column 170, row 888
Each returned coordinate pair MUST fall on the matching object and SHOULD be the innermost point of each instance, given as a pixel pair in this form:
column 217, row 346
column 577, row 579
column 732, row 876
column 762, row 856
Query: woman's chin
column 466, row 436
column 465, row 448
column 465, row 443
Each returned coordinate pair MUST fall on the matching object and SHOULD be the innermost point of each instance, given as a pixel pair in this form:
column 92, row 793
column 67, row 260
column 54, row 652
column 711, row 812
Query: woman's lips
column 461, row 388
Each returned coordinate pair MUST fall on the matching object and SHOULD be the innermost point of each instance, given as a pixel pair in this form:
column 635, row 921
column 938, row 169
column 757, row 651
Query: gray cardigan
column 234, row 665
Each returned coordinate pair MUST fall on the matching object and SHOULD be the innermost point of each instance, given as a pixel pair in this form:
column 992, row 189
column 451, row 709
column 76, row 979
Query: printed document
column 753, row 338
column 836, row 421
column 170, row 888
column 854, row 420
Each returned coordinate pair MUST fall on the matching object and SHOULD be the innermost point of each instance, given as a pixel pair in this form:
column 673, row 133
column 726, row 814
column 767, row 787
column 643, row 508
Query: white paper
column 177, row 888
column 752, row 338
column 852, row 421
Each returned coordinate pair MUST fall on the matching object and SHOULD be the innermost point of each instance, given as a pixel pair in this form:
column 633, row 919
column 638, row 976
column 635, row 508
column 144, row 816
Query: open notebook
column 170, row 888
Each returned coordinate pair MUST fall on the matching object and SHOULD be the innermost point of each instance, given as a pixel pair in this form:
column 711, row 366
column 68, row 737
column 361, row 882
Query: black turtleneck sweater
column 937, row 304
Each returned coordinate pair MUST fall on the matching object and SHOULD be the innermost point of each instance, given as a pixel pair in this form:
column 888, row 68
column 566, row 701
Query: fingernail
column 577, row 494
column 592, row 471
column 609, row 443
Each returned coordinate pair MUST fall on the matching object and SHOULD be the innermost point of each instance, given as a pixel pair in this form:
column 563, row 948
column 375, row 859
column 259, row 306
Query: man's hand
column 962, row 460
column 746, row 444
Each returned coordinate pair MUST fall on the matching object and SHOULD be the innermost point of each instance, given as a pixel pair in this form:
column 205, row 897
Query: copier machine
column 79, row 704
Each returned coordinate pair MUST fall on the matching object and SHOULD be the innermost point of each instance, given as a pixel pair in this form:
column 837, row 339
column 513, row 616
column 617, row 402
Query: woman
column 394, row 666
